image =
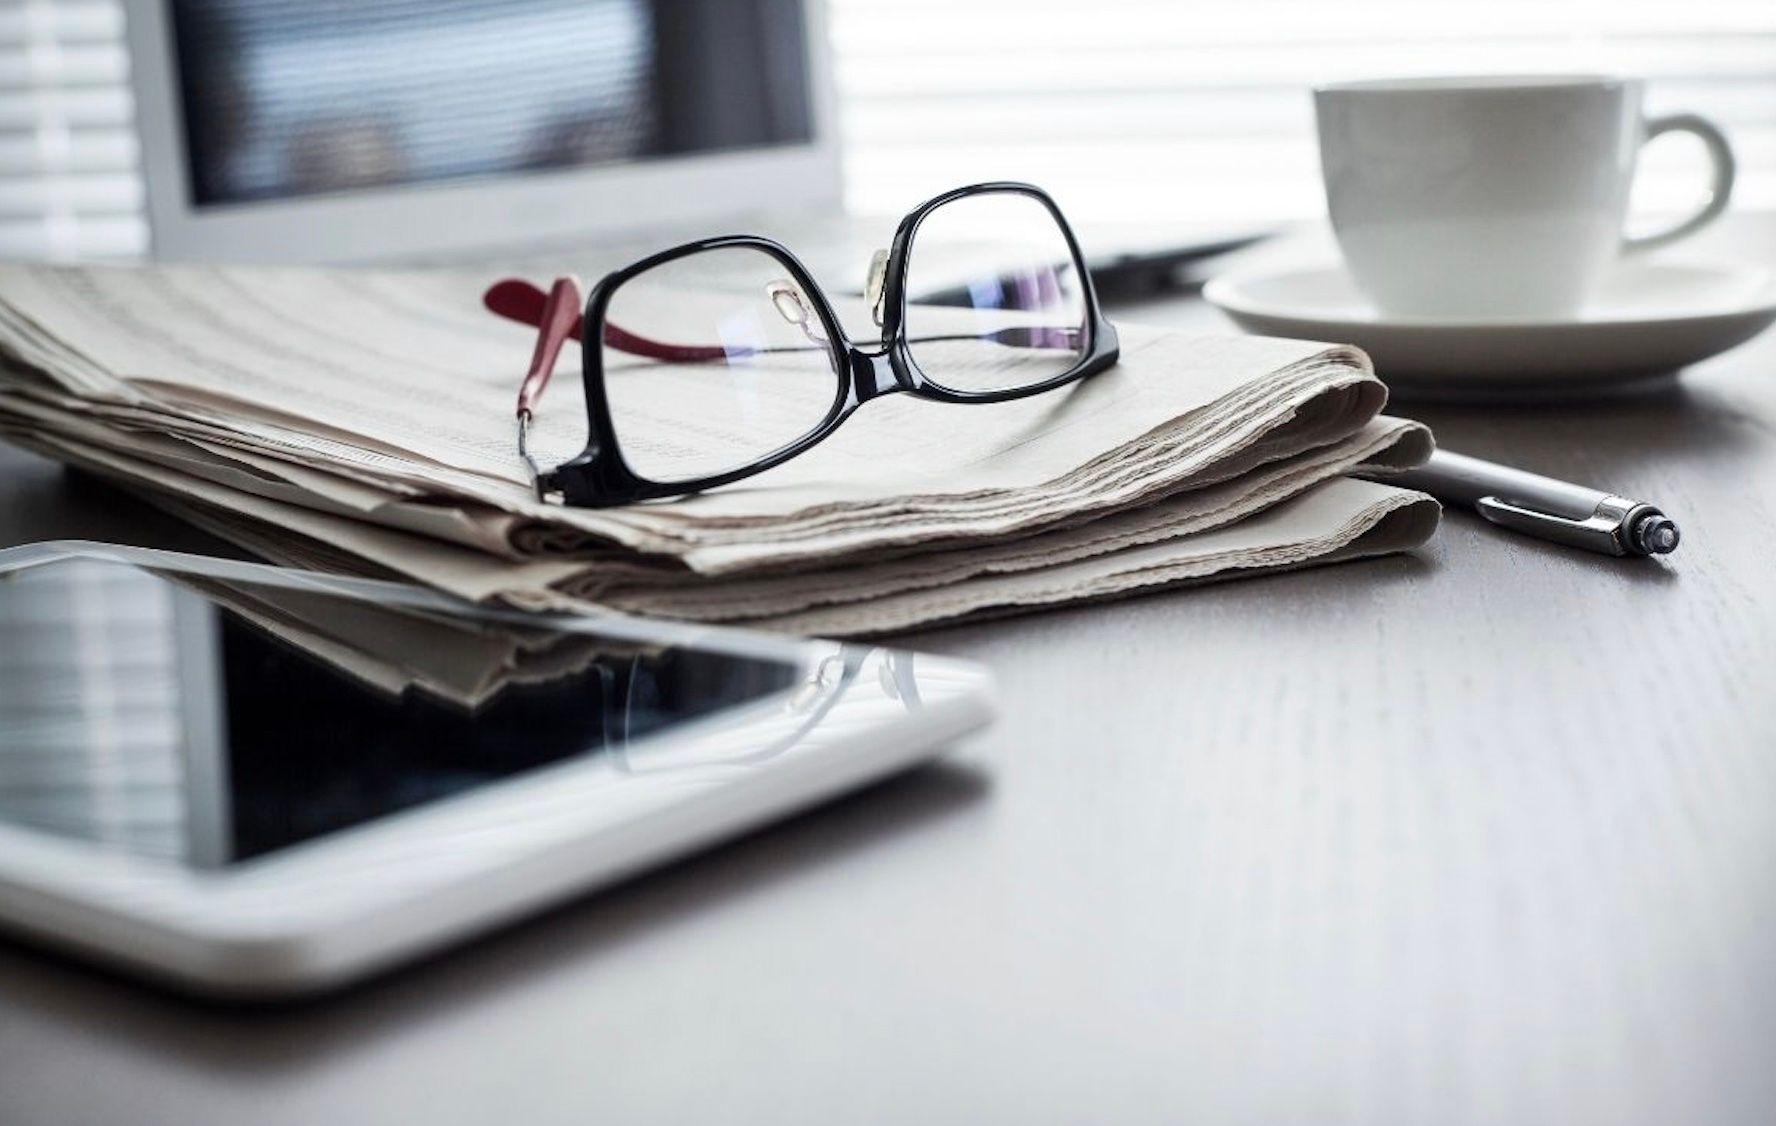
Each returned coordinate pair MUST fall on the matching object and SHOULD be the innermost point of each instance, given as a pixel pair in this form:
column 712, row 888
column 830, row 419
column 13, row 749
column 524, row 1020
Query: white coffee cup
column 1485, row 197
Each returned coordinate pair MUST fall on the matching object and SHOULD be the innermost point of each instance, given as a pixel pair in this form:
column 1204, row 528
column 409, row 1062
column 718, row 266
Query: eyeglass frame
column 600, row 477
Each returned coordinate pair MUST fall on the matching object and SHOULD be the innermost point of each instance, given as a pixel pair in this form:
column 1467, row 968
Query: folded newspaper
column 361, row 421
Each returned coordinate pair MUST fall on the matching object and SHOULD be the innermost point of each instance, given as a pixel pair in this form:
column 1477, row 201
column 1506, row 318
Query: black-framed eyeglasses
column 721, row 358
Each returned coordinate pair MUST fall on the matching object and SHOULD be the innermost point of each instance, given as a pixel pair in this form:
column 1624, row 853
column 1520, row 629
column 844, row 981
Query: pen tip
column 1656, row 535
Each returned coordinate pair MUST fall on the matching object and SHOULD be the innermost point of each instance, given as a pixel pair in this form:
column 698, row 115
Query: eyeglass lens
column 713, row 361
column 994, row 301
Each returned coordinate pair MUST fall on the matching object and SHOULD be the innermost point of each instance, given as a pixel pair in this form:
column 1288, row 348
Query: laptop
column 478, row 131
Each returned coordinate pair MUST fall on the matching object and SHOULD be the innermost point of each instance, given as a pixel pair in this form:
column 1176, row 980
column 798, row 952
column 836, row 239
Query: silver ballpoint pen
column 1541, row 506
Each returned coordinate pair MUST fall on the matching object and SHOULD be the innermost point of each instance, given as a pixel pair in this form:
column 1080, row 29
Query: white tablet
column 254, row 782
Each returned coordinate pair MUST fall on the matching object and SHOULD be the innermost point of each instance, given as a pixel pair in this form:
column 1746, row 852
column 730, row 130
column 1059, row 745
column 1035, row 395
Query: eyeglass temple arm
column 519, row 300
column 556, row 315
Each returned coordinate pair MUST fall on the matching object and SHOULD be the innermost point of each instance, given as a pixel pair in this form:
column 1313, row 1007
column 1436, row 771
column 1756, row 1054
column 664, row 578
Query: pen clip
column 1601, row 531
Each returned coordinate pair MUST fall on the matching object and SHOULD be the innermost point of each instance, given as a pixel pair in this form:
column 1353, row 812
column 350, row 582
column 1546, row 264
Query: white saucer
column 1648, row 320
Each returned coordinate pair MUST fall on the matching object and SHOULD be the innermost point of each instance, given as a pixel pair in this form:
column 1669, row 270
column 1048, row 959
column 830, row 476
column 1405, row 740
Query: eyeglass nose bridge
column 872, row 374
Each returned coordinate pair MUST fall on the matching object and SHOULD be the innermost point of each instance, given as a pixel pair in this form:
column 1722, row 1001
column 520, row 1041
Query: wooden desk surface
column 1482, row 834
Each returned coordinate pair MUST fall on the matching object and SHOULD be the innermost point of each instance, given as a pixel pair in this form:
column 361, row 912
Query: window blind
column 1143, row 109
column 1124, row 108
column 70, row 181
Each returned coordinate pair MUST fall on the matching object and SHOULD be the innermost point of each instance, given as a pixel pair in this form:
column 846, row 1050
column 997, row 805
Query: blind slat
column 86, row 238
column 51, row 151
column 76, row 108
column 108, row 195
column 1054, row 72
column 53, row 65
column 98, row 21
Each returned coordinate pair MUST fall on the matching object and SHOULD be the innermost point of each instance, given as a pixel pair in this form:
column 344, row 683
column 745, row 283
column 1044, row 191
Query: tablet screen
column 207, row 722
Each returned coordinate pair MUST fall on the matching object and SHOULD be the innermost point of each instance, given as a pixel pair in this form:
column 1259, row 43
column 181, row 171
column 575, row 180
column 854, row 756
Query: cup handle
column 1720, row 155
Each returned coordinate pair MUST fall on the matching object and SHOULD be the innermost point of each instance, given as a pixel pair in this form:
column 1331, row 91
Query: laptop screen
column 284, row 100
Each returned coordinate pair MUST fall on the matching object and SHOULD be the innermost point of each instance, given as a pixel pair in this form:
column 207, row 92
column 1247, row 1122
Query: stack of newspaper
column 362, row 421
